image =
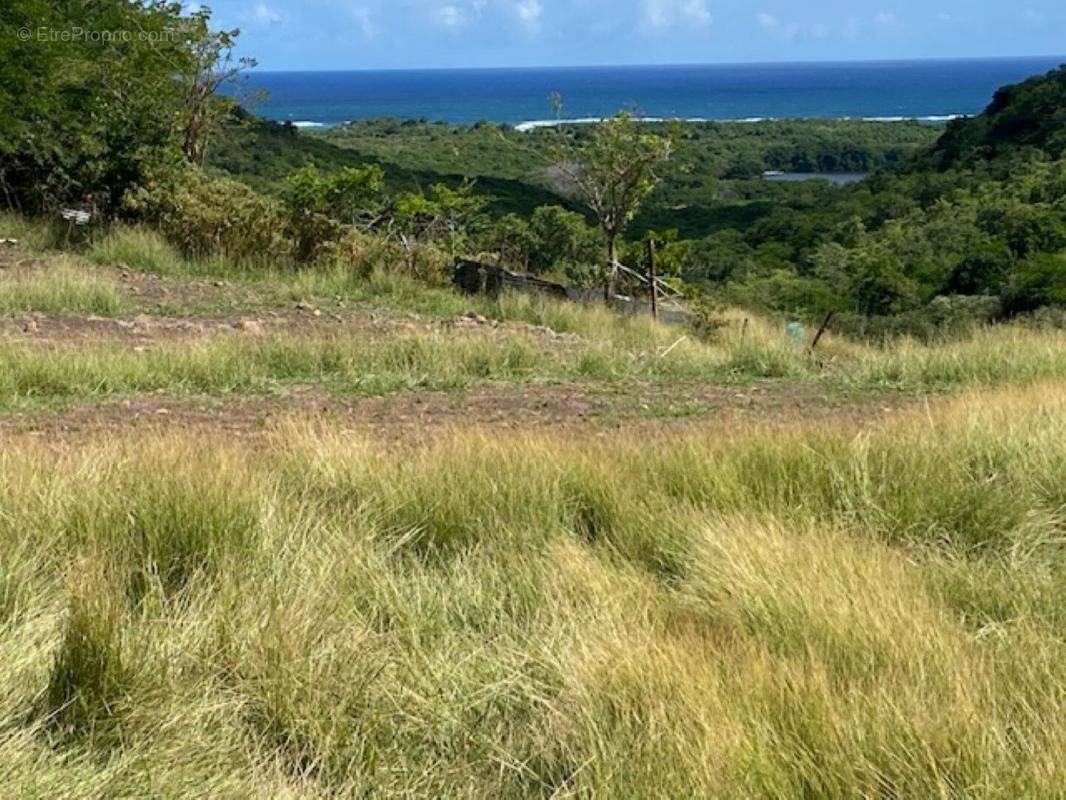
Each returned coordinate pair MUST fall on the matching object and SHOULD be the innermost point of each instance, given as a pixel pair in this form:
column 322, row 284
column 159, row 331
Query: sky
column 386, row 34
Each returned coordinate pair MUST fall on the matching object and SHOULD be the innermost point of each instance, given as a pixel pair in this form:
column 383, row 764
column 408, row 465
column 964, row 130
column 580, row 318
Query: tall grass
column 144, row 249
column 438, row 360
column 606, row 346
column 33, row 233
column 60, row 288
column 736, row 614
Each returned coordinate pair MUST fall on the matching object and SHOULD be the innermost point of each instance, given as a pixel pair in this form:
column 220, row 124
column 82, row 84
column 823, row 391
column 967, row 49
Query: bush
column 207, row 216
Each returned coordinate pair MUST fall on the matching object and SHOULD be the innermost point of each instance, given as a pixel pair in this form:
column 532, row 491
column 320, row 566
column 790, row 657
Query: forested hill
column 264, row 154
column 1028, row 114
column 971, row 230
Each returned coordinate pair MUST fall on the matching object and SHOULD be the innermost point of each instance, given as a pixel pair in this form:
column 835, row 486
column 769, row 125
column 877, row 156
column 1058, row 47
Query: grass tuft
column 60, row 289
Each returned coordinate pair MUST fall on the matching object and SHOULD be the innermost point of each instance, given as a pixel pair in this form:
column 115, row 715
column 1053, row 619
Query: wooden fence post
column 821, row 330
column 652, row 285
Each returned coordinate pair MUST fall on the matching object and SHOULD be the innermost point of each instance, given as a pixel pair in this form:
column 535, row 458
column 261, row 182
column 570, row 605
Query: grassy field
column 742, row 613
column 857, row 593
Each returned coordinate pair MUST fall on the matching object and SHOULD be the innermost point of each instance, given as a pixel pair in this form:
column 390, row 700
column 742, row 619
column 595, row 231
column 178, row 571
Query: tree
column 1037, row 281
column 131, row 89
column 445, row 215
column 513, row 239
column 318, row 206
column 561, row 237
column 92, row 115
column 612, row 171
column 212, row 66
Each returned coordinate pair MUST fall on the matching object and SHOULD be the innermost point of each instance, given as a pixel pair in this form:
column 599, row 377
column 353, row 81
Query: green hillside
column 1031, row 114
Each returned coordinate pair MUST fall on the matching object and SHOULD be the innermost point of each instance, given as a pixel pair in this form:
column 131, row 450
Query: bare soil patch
column 571, row 407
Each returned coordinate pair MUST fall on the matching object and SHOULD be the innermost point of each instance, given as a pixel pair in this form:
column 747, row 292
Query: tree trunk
column 612, row 269
column 653, row 287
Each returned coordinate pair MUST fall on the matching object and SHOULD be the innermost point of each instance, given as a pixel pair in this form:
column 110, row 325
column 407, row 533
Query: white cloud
column 783, row 31
column 697, row 11
column 261, row 14
column 820, row 30
column 365, row 20
column 886, row 19
column 661, row 16
column 528, row 13
column 458, row 15
column 944, row 16
column 1030, row 15
column 450, row 17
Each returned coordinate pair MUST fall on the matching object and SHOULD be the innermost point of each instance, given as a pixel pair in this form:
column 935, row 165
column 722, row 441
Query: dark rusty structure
column 474, row 277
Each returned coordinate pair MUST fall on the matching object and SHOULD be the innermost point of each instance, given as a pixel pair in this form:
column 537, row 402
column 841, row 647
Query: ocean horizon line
column 662, row 65
column 930, row 90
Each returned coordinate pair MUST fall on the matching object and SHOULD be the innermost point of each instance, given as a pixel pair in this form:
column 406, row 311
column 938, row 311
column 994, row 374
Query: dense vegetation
column 963, row 230
column 955, row 227
column 96, row 96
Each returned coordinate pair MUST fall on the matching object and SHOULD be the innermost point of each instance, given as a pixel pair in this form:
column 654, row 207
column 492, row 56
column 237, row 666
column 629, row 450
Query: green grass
column 364, row 285
column 751, row 613
column 34, row 234
column 434, row 360
column 348, row 365
column 60, row 288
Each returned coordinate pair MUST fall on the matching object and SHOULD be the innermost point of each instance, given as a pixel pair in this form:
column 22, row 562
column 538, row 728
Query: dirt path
column 656, row 408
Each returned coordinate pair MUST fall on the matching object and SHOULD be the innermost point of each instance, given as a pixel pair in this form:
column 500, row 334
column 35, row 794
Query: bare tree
column 212, row 66
column 612, row 171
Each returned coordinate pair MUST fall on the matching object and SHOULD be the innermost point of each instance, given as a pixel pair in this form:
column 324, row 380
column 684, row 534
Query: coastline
column 931, row 92
column 536, row 124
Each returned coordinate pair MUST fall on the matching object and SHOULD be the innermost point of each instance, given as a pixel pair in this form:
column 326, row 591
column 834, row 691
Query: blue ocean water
column 888, row 89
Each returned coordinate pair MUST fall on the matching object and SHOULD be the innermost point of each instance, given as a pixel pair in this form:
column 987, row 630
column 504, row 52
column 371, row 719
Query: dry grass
column 757, row 613
column 60, row 288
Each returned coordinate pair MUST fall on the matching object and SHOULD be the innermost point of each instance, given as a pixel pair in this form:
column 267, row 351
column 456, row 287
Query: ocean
column 931, row 90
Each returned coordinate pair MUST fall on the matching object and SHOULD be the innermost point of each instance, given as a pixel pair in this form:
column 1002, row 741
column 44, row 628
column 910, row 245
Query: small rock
column 30, row 326
column 219, row 283
column 302, row 306
column 250, row 326
column 316, row 313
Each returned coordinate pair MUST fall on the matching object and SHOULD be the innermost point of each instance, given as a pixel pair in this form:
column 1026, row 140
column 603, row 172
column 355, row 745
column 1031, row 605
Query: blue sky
column 366, row 34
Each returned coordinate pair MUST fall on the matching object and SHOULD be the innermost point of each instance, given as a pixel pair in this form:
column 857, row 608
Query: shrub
column 207, row 216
